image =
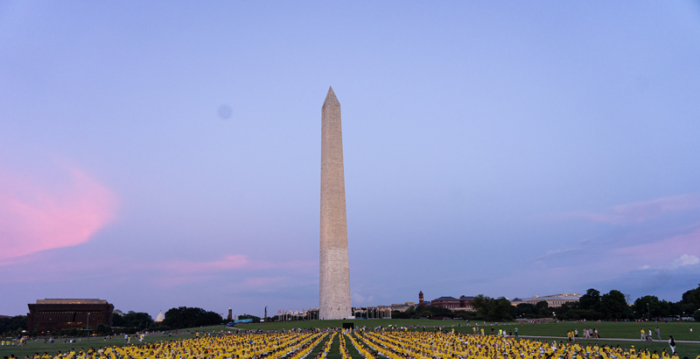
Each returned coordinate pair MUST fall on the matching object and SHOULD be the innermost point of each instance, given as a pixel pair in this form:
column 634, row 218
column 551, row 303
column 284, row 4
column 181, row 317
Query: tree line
column 591, row 306
column 175, row 318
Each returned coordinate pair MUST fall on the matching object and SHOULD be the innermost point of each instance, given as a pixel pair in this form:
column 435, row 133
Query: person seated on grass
column 664, row 354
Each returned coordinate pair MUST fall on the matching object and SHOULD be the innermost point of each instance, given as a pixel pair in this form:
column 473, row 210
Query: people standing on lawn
column 644, row 335
column 672, row 343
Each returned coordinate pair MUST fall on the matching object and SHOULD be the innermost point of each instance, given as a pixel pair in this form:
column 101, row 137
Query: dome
column 160, row 317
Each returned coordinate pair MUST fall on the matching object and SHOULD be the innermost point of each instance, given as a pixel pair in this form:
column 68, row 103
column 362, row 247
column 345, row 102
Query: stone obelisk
column 334, row 291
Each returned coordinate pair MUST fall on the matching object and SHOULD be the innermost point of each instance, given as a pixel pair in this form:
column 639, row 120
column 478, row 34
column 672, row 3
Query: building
column 49, row 315
column 553, row 301
column 465, row 303
column 402, row 307
column 160, row 317
column 445, row 302
column 452, row 303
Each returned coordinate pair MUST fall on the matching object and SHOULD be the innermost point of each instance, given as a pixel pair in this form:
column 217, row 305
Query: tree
column 614, row 306
column 13, row 324
column 483, row 305
column 590, row 300
column 102, row 329
column 132, row 320
column 696, row 315
column 492, row 309
column 651, row 305
column 692, row 297
column 184, row 317
column 524, row 310
column 501, row 310
column 573, row 311
column 543, row 309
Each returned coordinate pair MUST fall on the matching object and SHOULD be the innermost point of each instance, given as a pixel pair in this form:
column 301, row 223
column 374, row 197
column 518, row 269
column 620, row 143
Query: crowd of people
column 289, row 345
column 395, row 343
column 440, row 345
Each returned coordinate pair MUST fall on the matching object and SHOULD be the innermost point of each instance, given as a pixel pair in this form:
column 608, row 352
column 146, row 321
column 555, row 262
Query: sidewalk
column 613, row 339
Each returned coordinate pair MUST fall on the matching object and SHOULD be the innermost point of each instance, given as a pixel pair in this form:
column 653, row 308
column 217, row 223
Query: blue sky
column 168, row 153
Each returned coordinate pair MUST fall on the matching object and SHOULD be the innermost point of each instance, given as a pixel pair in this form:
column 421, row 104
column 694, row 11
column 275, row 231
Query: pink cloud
column 641, row 211
column 35, row 218
column 664, row 251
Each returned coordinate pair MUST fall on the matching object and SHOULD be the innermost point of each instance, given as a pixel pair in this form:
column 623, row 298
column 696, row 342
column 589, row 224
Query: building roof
column 160, row 317
column 537, row 298
column 70, row 301
column 445, row 298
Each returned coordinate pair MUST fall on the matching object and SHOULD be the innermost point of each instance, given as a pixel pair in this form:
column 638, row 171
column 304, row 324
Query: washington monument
column 334, row 291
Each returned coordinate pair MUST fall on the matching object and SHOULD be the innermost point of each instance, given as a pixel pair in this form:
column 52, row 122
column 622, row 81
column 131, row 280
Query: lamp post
column 648, row 312
column 87, row 325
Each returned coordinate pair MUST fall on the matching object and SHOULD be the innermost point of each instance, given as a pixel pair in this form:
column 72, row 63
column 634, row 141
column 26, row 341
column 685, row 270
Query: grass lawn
column 335, row 349
column 351, row 349
column 319, row 347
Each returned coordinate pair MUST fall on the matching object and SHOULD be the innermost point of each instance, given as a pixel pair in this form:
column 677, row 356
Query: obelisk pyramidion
column 334, row 291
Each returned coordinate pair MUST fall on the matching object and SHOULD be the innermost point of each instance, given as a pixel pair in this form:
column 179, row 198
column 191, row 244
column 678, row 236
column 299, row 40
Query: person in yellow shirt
column 665, row 355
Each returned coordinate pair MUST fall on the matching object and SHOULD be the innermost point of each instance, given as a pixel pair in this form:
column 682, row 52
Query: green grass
column 335, row 349
column 318, row 348
column 351, row 349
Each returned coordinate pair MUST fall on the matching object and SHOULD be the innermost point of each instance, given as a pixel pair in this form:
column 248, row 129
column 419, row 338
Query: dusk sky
column 168, row 153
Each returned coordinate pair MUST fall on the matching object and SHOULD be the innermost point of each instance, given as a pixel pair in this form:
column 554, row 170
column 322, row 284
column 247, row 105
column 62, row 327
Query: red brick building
column 445, row 302
column 452, row 303
column 59, row 314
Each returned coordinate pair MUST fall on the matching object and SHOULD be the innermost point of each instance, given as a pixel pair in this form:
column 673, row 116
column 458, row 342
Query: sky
column 167, row 153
